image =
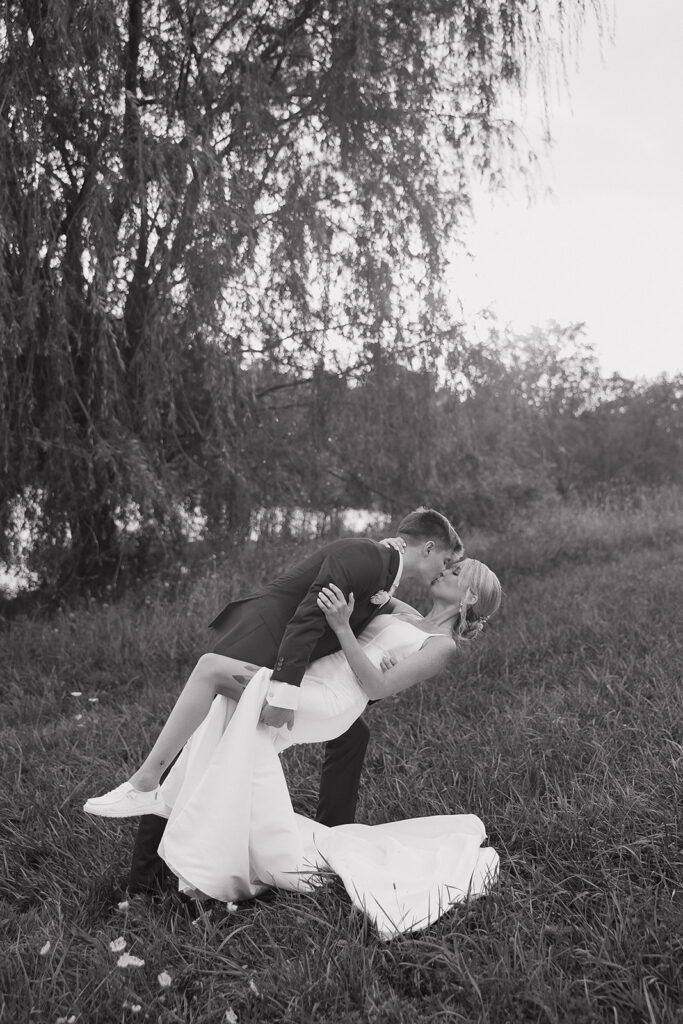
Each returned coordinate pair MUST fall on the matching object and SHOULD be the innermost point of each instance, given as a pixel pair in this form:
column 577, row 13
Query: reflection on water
column 265, row 522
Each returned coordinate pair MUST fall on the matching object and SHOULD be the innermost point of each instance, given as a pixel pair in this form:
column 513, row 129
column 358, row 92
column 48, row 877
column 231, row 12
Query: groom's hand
column 277, row 717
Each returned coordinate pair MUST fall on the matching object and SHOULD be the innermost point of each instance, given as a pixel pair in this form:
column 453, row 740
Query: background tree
column 506, row 424
column 186, row 186
column 632, row 438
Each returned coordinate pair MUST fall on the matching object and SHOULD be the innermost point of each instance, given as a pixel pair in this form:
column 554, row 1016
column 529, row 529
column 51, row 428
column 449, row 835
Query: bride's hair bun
column 470, row 629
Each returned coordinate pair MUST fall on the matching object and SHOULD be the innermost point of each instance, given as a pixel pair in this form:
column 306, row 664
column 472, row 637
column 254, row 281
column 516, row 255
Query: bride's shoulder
column 439, row 649
column 442, row 641
column 415, row 623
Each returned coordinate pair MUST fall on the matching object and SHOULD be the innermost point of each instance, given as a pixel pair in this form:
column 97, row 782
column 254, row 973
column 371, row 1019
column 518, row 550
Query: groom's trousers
column 248, row 639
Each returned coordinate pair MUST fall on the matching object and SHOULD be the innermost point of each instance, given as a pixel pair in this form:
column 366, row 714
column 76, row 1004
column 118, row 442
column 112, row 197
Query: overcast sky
column 602, row 241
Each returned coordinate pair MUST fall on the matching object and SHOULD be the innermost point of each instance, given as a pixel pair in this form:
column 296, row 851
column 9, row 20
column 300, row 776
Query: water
column 298, row 522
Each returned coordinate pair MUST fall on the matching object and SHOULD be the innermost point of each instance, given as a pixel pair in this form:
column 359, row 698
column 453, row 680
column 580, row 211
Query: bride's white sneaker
column 127, row 802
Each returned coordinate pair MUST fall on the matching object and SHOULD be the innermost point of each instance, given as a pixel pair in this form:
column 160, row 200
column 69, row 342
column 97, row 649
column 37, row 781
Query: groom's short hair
column 428, row 524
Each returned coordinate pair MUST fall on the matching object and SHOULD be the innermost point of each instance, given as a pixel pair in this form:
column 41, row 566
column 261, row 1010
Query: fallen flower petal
column 230, row 1016
column 93, row 700
column 46, row 948
column 76, row 693
column 133, row 1007
column 126, row 960
column 231, row 907
column 164, row 979
column 253, row 988
column 123, row 906
column 78, row 717
column 118, row 945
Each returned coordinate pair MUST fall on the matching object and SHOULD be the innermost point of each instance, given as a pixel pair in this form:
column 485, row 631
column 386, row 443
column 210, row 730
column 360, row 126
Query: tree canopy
column 190, row 189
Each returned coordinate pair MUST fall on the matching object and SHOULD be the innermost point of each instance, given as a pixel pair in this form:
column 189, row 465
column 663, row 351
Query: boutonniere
column 382, row 596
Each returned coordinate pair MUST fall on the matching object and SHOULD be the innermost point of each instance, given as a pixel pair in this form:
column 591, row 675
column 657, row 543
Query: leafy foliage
column 186, row 186
column 514, row 422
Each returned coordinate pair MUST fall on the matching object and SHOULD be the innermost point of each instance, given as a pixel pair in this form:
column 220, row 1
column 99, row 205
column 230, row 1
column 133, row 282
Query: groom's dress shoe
column 127, row 802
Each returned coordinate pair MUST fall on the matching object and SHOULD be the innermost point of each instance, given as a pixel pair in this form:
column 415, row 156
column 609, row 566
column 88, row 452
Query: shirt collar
column 397, row 578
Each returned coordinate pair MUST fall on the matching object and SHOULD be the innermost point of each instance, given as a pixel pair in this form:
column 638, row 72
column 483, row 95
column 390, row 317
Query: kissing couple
column 298, row 662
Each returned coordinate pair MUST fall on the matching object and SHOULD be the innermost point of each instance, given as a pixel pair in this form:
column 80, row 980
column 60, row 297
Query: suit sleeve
column 358, row 571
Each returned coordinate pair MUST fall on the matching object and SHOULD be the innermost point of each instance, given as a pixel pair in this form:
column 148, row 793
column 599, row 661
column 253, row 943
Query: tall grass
column 562, row 728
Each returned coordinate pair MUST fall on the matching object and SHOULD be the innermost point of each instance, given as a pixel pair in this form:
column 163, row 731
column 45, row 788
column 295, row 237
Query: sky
column 601, row 239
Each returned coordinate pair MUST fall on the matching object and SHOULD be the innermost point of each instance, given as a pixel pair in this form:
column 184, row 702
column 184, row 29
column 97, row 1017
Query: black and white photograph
column 341, row 512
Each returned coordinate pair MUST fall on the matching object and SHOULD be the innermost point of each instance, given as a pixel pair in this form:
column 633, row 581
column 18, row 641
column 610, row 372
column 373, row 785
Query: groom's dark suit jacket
column 282, row 627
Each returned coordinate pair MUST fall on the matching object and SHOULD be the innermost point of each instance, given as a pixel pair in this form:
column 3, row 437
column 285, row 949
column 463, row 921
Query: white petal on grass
column 253, row 987
column 231, row 907
column 78, row 717
column 118, row 945
column 126, row 960
column 230, row 1016
column 46, row 948
column 133, row 1007
column 123, row 906
column 164, row 979
column 76, row 693
column 93, row 700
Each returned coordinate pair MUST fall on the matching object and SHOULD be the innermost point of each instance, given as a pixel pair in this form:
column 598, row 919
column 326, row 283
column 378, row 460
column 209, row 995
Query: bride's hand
column 388, row 661
column 277, row 717
column 334, row 606
column 394, row 542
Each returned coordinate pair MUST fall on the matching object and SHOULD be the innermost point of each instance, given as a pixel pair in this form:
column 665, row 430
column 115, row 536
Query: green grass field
column 562, row 729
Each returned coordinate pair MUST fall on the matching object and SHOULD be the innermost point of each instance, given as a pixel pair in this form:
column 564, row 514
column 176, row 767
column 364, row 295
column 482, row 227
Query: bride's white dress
column 232, row 832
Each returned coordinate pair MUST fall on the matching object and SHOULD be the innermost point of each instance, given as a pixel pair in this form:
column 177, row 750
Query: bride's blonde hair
column 486, row 586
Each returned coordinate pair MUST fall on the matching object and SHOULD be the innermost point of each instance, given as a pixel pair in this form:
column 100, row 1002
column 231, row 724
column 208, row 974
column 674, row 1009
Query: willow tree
column 186, row 186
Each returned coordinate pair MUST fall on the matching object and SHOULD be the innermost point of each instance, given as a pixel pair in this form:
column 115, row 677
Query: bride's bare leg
column 212, row 675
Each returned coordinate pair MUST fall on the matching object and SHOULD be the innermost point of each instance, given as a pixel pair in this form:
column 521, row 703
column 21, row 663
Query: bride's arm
column 433, row 656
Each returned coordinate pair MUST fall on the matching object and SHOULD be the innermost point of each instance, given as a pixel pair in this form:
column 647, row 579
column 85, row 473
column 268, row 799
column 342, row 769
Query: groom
column 281, row 627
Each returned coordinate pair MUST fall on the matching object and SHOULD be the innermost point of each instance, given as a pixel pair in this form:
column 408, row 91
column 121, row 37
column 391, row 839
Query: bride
column 232, row 831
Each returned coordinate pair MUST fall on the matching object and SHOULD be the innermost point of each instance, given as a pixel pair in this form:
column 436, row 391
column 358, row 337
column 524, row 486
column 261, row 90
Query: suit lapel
column 392, row 568
column 392, row 562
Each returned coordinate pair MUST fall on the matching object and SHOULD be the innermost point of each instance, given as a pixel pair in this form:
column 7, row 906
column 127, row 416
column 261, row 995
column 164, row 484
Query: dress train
column 232, row 832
